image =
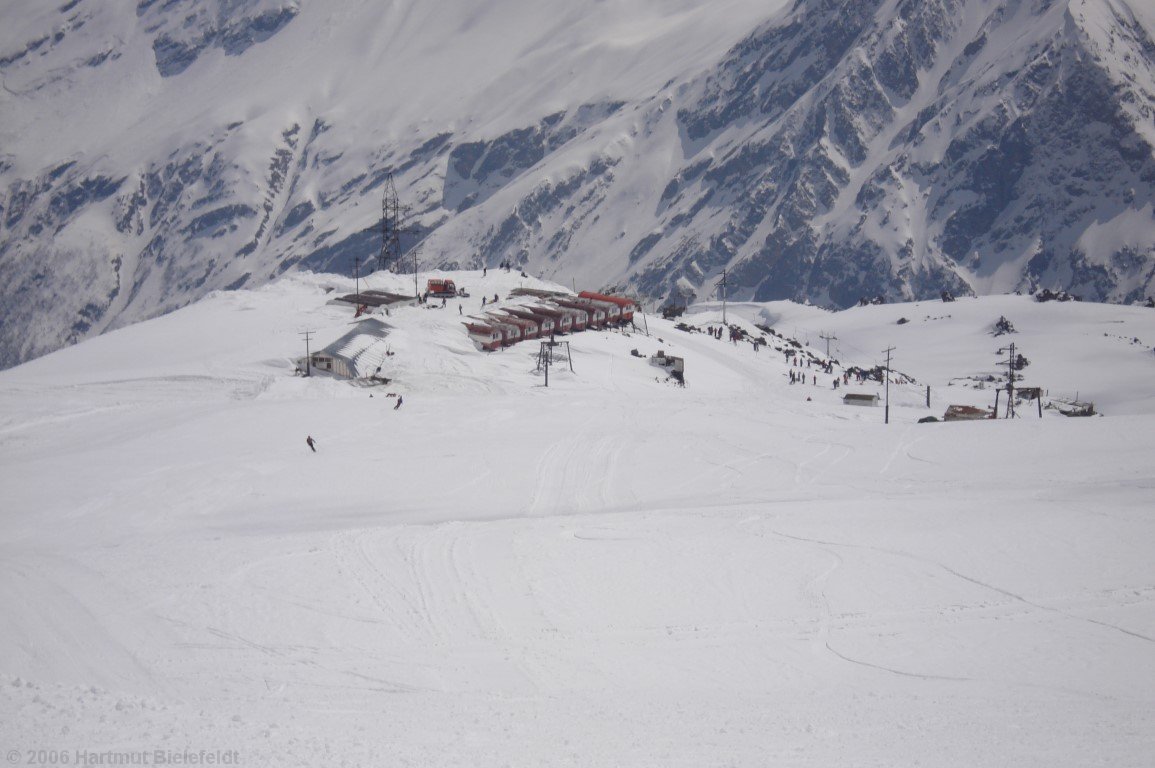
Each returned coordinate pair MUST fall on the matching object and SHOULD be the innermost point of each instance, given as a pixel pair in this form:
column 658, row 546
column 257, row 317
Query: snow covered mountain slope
column 153, row 152
column 608, row 571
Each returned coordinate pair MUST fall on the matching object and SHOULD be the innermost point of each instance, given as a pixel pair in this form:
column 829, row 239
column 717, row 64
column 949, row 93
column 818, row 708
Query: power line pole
column 308, row 358
column 415, row 250
column 888, row 350
column 721, row 286
column 828, row 340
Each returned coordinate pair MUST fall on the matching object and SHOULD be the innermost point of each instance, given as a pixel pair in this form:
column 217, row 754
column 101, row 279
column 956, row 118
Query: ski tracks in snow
column 816, row 591
column 578, row 474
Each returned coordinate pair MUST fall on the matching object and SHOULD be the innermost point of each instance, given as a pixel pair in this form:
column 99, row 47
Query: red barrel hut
column 529, row 328
column 595, row 316
column 511, row 333
column 544, row 323
column 578, row 317
column 612, row 311
column 626, row 307
column 486, row 336
column 562, row 321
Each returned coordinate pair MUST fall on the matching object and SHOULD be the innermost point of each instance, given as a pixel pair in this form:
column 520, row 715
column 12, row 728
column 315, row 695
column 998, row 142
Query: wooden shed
column 860, row 398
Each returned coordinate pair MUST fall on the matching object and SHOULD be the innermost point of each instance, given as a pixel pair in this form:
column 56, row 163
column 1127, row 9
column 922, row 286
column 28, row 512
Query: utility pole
column 828, row 339
column 888, row 350
column 721, row 286
column 308, row 358
column 416, row 250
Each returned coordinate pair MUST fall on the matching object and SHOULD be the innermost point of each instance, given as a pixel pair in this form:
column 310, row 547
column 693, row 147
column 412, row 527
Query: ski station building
column 360, row 353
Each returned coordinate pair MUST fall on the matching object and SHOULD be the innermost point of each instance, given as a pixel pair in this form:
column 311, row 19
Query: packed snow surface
column 611, row 570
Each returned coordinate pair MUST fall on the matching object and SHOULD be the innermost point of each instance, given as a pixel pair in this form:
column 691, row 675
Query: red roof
column 621, row 301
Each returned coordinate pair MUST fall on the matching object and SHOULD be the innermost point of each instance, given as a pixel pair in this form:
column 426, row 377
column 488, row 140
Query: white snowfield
column 611, row 571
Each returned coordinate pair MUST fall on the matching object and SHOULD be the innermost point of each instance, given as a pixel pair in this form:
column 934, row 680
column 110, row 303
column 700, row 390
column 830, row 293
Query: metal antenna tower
column 391, row 225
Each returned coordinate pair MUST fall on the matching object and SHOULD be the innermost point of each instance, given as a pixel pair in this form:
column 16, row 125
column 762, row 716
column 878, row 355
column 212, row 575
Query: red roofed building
column 627, row 307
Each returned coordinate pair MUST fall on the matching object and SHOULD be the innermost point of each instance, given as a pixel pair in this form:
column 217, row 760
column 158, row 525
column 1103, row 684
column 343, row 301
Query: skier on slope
column 309, row 441
column 399, row 401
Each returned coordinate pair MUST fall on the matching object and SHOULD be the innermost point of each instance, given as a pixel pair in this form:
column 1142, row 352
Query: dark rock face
column 478, row 169
column 854, row 148
column 185, row 29
column 906, row 149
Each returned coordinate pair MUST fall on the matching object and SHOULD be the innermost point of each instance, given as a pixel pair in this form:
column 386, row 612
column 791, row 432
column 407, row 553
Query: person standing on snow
column 399, row 400
column 309, row 442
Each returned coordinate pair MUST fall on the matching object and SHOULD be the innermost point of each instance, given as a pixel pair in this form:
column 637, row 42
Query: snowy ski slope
column 611, row 571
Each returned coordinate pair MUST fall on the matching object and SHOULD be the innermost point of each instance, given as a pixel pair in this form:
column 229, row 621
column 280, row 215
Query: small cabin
column 612, row 312
column 579, row 318
column 485, row 336
column 626, row 307
column 511, row 333
column 860, row 398
column 595, row 317
column 562, row 321
column 529, row 328
column 544, row 324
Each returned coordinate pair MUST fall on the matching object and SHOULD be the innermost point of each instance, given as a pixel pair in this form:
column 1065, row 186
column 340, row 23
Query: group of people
column 504, row 265
column 800, row 378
